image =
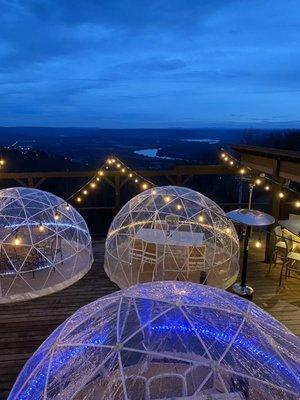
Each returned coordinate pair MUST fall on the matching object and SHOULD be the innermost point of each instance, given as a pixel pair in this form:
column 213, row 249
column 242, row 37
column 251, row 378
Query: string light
column 130, row 175
column 281, row 195
column 267, row 188
column 2, row 162
column 200, row 218
column 97, row 179
column 153, row 191
column 41, row 228
column 179, row 206
column 93, row 185
column 123, row 170
column 223, row 155
column 242, row 171
column 297, row 203
column 226, row 158
column 85, row 192
column 56, row 216
column 231, row 162
column 136, row 180
column 258, row 244
column 258, row 181
column 145, row 186
column 227, row 230
column 101, row 173
column 67, row 207
column 78, row 199
column 118, row 165
column 17, row 241
column 167, row 199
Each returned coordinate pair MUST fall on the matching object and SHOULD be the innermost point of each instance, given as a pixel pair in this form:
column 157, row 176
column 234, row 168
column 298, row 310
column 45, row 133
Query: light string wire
column 121, row 167
column 257, row 177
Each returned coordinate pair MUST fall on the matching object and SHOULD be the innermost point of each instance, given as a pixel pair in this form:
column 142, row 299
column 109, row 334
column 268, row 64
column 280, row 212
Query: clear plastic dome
column 165, row 340
column 45, row 244
column 172, row 233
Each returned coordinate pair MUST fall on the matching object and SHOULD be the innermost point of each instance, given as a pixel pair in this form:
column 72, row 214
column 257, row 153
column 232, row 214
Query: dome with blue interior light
column 165, row 340
column 172, row 233
column 45, row 244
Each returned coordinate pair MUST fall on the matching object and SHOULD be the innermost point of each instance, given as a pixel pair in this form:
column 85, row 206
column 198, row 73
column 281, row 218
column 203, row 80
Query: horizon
column 158, row 65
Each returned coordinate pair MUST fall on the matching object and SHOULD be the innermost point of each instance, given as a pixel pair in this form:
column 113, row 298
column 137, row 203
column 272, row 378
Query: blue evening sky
column 150, row 63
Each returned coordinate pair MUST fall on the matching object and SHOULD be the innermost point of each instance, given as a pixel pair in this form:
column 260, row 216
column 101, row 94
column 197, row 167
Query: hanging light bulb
column 145, row 186
column 223, row 155
column 93, row 185
column 118, row 165
column 231, row 162
column 101, row 173
column 136, row 180
column 78, row 199
column 2, row 162
column 267, row 188
column 226, row 158
column 227, row 230
column 56, row 216
column 167, row 199
column 123, row 170
column 85, row 192
column 179, row 206
column 297, row 203
column 67, row 207
column 153, row 191
column 281, row 195
column 97, row 179
column 242, row 171
column 201, row 218
column 130, row 175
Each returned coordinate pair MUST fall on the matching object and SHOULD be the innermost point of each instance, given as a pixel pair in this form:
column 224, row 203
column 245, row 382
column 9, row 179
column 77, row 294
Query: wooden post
column 275, row 212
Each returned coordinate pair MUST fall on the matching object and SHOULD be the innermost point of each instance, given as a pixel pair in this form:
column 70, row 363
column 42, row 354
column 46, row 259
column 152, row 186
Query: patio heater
column 248, row 218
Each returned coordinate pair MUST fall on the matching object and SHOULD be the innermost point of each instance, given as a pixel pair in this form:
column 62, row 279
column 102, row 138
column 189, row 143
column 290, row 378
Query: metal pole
column 245, row 256
column 251, row 187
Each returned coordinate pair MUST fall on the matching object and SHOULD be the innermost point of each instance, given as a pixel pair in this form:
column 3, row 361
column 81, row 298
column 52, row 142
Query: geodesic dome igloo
column 45, row 244
column 164, row 340
column 172, row 233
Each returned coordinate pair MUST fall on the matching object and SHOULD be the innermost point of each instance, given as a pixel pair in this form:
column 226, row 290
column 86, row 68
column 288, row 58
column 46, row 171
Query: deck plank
column 24, row 326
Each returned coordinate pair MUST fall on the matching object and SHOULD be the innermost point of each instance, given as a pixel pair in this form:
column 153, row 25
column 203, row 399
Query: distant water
column 153, row 153
column 209, row 141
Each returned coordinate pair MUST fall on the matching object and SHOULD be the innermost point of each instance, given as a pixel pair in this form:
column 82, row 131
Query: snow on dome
column 45, row 244
column 164, row 340
column 172, row 233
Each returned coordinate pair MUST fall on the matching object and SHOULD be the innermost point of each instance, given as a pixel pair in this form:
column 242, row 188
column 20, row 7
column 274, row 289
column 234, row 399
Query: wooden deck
column 24, row 326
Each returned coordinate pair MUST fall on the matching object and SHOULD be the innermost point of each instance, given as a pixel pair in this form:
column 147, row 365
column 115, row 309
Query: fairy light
column 123, row 170
column 118, row 165
column 231, row 162
column 267, row 188
column 167, row 199
column 136, row 180
column 97, row 179
column 281, row 195
column 258, row 181
column 2, row 162
column 56, row 216
column 101, row 173
column 179, row 206
column 78, row 199
column 145, row 186
column 85, row 192
column 41, row 228
column 109, row 161
column 153, row 191
column 113, row 161
column 242, row 171
column 258, row 244
column 130, row 175
column 17, row 241
column 93, row 185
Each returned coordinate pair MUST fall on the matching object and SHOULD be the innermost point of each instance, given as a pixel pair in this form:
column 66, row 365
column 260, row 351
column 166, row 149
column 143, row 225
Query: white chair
column 288, row 265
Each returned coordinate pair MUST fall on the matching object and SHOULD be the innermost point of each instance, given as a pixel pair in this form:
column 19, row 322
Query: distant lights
column 56, row 216
column 118, row 165
column 223, row 155
column 97, row 179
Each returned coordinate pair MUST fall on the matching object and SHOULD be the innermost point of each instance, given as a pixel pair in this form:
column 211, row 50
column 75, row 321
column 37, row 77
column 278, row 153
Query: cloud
column 127, row 61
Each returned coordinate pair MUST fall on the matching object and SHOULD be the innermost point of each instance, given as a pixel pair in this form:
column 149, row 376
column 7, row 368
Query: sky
column 148, row 64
